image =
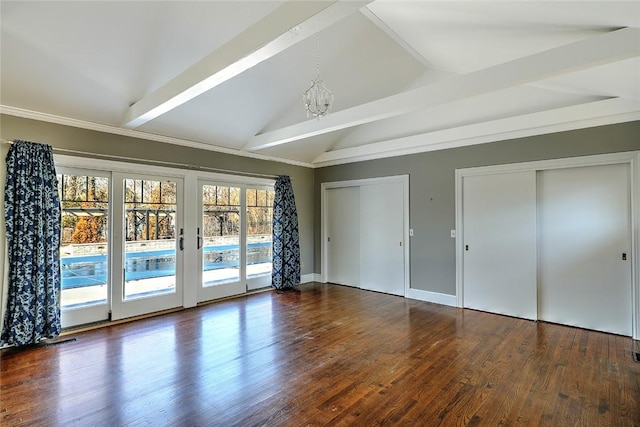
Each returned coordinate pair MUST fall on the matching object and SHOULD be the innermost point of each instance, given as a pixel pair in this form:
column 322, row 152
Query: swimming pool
column 91, row 270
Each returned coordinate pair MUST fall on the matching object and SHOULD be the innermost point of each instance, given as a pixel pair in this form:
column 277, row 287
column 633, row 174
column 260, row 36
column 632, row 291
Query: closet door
column 499, row 214
column 343, row 236
column 585, row 247
column 382, row 237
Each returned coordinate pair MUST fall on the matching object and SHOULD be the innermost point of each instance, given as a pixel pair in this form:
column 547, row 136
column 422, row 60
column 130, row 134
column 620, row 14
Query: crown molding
column 485, row 132
column 347, row 155
column 66, row 121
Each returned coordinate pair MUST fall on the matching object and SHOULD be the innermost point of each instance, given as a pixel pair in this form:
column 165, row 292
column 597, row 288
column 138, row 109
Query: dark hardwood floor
column 330, row 355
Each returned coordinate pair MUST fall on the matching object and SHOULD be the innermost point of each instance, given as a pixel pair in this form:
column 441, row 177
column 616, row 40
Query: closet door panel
column 382, row 238
column 500, row 259
column 584, row 220
column 343, row 236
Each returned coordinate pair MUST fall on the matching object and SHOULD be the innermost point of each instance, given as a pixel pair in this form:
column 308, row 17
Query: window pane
column 261, row 197
column 84, row 239
column 221, row 234
column 259, row 232
column 150, row 231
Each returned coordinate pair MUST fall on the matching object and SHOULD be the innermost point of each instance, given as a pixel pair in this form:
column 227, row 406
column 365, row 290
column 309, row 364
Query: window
column 259, row 231
column 84, row 247
column 220, row 234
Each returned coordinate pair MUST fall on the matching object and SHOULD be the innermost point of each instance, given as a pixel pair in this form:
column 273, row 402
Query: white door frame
column 631, row 158
column 404, row 179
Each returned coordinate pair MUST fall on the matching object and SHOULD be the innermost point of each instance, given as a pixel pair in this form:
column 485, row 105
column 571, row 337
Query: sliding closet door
column 382, row 237
column 585, row 247
column 343, row 236
column 499, row 214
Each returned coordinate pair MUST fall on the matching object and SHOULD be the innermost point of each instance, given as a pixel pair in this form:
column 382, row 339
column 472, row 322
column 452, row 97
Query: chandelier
column 317, row 99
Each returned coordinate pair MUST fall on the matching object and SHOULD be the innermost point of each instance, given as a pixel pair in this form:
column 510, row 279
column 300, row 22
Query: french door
column 85, row 255
column 148, row 243
column 137, row 243
column 233, row 238
column 120, row 253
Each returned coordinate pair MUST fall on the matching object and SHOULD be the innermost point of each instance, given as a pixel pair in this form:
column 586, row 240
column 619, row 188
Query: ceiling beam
column 289, row 24
column 598, row 50
column 579, row 116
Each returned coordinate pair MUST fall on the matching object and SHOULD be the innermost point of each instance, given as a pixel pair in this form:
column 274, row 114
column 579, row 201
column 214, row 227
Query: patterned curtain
column 286, row 244
column 32, row 215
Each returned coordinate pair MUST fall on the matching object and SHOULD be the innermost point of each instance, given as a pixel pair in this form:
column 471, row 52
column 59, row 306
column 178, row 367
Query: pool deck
column 77, row 297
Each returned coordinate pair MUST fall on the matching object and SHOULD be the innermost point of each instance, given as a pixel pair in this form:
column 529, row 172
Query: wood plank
column 331, row 355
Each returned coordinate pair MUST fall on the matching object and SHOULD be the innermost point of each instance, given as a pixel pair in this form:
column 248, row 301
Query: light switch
column 411, row 232
column 453, row 234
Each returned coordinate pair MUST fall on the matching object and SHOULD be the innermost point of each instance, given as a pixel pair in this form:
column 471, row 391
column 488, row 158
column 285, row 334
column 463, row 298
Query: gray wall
column 66, row 137
column 432, row 188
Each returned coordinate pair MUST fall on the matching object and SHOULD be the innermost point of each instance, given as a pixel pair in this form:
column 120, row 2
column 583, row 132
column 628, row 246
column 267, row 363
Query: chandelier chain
column 317, row 56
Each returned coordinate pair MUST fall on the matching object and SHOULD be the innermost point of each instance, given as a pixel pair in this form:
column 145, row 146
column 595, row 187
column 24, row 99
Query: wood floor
column 330, row 355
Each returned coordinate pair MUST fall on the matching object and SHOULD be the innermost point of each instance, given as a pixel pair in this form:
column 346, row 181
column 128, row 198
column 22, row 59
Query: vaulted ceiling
column 408, row 76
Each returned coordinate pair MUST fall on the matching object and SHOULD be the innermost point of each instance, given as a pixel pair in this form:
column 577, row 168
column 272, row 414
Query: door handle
column 182, row 243
column 199, row 239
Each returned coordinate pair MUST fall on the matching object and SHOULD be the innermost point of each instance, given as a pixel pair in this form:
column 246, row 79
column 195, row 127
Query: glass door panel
column 259, row 202
column 84, row 249
column 150, row 238
column 151, row 224
column 219, row 234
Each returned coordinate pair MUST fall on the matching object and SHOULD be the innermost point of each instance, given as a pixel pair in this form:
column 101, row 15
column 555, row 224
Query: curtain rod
column 156, row 162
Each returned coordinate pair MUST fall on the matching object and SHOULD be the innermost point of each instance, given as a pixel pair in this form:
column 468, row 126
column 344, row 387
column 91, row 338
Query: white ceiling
column 408, row 76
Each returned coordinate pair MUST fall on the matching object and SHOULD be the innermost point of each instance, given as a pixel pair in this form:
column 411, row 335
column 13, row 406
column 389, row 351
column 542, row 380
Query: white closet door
column 499, row 214
column 584, row 220
column 382, row 237
column 343, row 236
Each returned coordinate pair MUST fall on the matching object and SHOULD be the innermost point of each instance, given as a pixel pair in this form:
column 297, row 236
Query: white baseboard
column 434, row 297
column 311, row 277
column 417, row 294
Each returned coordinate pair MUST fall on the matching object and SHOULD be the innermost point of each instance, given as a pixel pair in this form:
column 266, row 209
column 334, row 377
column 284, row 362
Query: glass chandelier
column 317, row 99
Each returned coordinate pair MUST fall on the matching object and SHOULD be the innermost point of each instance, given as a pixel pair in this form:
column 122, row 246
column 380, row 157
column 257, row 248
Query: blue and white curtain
column 32, row 220
column 286, row 242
